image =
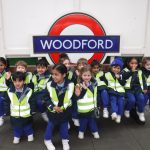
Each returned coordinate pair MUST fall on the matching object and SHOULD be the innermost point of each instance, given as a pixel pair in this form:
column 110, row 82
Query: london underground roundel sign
column 76, row 19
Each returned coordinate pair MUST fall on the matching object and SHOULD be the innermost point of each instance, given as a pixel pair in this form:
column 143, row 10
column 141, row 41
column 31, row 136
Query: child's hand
column 57, row 109
column 84, row 85
column 145, row 91
column 134, row 68
column 8, row 75
column 77, row 72
column 117, row 76
column 77, row 90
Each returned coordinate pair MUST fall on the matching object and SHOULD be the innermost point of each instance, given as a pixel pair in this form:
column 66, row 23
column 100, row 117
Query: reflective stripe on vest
column 114, row 84
column 128, row 81
column 20, row 107
column 41, row 85
column 99, row 82
column 148, row 80
column 88, row 102
column 70, row 75
column 67, row 97
column 3, row 86
column 28, row 77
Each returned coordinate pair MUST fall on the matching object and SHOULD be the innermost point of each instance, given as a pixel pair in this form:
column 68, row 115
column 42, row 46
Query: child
column 3, row 87
column 146, row 72
column 86, row 92
column 64, row 59
column 116, row 90
column 102, row 88
column 82, row 62
column 135, row 88
column 20, row 106
column 21, row 66
column 59, row 105
column 40, row 79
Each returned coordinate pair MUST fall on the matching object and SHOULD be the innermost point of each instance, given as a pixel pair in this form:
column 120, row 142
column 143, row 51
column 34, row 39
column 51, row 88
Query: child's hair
column 129, row 59
column 18, row 75
column 61, row 68
column 3, row 60
column 95, row 63
column 84, row 69
column 82, row 61
column 63, row 57
column 21, row 63
column 145, row 60
column 42, row 62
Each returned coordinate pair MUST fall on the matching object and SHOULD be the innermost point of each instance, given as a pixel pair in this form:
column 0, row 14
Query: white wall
column 21, row 19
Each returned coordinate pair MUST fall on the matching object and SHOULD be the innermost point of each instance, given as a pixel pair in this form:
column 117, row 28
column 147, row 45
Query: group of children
column 75, row 94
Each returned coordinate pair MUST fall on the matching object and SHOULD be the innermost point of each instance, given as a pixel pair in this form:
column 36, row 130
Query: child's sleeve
column 126, row 74
column 121, row 80
column 103, row 78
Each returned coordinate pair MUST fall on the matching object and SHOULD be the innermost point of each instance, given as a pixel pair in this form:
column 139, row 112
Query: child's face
column 67, row 63
column 41, row 69
column 21, row 69
column 86, row 76
column 2, row 67
column 18, row 83
column 147, row 66
column 81, row 65
column 133, row 64
column 95, row 69
column 116, row 69
column 57, row 76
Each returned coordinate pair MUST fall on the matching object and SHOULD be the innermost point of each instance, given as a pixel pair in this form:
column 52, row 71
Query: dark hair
column 18, row 75
column 42, row 62
column 61, row 68
column 63, row 57
column 128, row 60
column 3, row 60
column 95, row 63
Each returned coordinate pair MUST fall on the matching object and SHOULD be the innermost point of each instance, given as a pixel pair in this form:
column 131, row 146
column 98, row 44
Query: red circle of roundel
column 76, row 18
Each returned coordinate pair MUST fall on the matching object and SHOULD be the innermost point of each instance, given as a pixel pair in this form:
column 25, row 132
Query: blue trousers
column 117, row 104
column 26, row 130
column 103, row 98
column 88, row 121
column 135, row 99
column 63, row 130
column 74, row 109
column 147, row 97
column 1, row 105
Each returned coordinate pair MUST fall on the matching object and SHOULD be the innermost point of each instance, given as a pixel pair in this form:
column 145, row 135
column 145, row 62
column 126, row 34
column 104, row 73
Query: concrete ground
column 125, row 136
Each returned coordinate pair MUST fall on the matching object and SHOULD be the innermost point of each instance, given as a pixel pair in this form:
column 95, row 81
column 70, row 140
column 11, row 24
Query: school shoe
column 1, row 121
column 105, row 113
column 96, row 135
column 127, row 113
column 81, row 135
column 141, row 116
column 45, row 117
column 49, row 145
column 16, row 140
column 118, row 119
column 65, row 144
column 76, row 122
column 30, row 138
column 114, row 116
